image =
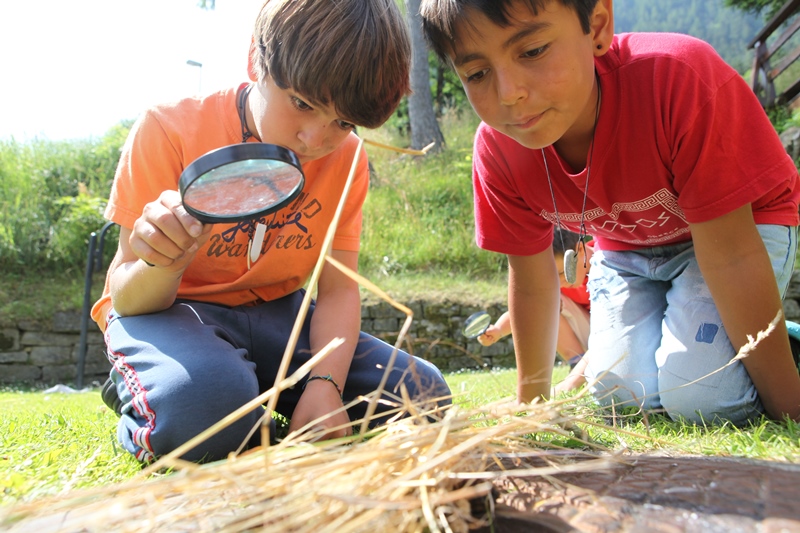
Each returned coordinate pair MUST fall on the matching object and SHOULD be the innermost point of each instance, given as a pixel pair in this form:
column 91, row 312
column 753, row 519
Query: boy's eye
column 535, row 52
column 346, row 125
column 477, row 76
column 301, row 105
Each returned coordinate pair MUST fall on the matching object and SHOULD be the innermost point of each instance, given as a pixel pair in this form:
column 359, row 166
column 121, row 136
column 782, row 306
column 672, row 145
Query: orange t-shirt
column 168, row 138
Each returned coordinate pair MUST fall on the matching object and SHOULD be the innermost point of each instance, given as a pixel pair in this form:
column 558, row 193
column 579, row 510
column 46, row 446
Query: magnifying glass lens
column 242, row 188
column 241, row 182
column 477, row 324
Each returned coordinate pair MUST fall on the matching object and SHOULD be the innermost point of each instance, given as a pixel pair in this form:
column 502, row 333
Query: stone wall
column 45, row 354
column 33, row 353
column 435, row 334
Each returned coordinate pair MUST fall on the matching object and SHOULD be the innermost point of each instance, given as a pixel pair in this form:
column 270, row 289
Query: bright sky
column 72, row 69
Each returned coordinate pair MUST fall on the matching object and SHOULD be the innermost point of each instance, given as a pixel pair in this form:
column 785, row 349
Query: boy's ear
column 602, row 26
column 251, row 71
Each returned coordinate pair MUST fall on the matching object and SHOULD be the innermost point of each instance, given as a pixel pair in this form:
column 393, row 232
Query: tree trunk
column 421, row 115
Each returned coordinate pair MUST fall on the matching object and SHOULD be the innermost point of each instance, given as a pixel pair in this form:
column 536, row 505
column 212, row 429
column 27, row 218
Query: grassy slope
column 37, row 296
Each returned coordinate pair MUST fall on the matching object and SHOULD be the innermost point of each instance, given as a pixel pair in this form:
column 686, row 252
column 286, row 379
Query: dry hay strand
column 418, row 473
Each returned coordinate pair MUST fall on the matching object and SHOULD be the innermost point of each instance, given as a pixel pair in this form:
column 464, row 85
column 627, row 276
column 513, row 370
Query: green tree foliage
column 766, row 7
column 52, row 196
column 728, row 30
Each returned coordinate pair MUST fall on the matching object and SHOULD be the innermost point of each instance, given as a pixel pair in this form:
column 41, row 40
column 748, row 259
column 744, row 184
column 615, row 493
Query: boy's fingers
column 486, row 339
column 191, row 225
column 321, row 433
column 172, row 201
column 165, row 232
column 150, row 244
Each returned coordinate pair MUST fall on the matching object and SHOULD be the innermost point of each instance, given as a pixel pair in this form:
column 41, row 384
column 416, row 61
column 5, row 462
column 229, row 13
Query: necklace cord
column 241, row 100
column 240, row 106
column 555, row 207
column 582, row 227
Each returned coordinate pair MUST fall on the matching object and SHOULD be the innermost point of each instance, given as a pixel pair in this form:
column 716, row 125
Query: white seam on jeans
column 193, row 311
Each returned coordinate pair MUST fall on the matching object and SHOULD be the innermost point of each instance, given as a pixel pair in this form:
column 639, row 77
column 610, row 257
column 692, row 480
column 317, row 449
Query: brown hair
column 439, row 17
column 353, row 54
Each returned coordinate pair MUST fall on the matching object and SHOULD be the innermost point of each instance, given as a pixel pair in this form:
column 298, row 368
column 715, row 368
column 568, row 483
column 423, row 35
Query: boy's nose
column 508, row 89
column 313, row 137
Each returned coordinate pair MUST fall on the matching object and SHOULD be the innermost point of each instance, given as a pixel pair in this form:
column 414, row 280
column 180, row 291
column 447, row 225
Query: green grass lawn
column 55, row 442
column 52, row 443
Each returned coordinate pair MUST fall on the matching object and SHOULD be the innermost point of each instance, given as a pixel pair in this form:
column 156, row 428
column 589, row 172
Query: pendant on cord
column 255, row 243
column 570, row 266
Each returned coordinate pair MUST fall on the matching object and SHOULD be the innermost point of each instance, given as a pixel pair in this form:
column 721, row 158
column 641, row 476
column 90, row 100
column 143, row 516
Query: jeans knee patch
column 706, row 333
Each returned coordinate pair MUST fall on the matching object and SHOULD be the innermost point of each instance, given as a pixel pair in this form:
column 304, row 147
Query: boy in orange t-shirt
column 193, row 329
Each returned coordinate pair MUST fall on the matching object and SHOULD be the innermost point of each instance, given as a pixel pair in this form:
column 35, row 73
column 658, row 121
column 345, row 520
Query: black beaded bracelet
column 327, row 378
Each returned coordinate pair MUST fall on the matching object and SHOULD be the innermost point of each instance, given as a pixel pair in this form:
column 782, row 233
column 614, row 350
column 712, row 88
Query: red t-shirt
column 579, row 295
column 680, row 138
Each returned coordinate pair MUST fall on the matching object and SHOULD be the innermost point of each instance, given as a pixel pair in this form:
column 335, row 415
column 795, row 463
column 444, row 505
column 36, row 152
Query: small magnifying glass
column 241, row 182
column 476, row 324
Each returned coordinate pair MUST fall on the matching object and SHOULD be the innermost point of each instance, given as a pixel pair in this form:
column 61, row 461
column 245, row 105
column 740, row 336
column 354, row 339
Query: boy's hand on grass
column 490, row 336
column 570, row 383
column 575, row 379
column 318, row 401
column 166, row 235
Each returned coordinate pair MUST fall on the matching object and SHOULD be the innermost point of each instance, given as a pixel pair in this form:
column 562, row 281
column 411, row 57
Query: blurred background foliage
column 418, row 216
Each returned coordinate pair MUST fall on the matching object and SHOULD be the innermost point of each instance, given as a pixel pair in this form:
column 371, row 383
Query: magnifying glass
column 241, row 182
column 476, row 324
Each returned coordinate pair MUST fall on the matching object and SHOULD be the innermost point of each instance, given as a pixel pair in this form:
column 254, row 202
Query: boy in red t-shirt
column 658, row 149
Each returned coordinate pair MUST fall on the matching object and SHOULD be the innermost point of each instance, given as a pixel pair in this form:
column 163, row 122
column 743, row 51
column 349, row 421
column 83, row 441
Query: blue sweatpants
column 179, row 371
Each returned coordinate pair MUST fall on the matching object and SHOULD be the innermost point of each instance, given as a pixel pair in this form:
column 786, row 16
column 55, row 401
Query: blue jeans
column 179, row 371
column 654, row 328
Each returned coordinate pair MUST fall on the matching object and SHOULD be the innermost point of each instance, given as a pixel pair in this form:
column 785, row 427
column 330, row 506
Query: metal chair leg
column 94, row 262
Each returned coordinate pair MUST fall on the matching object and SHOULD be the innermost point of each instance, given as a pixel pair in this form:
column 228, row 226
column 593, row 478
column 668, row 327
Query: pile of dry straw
column 417, row 473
